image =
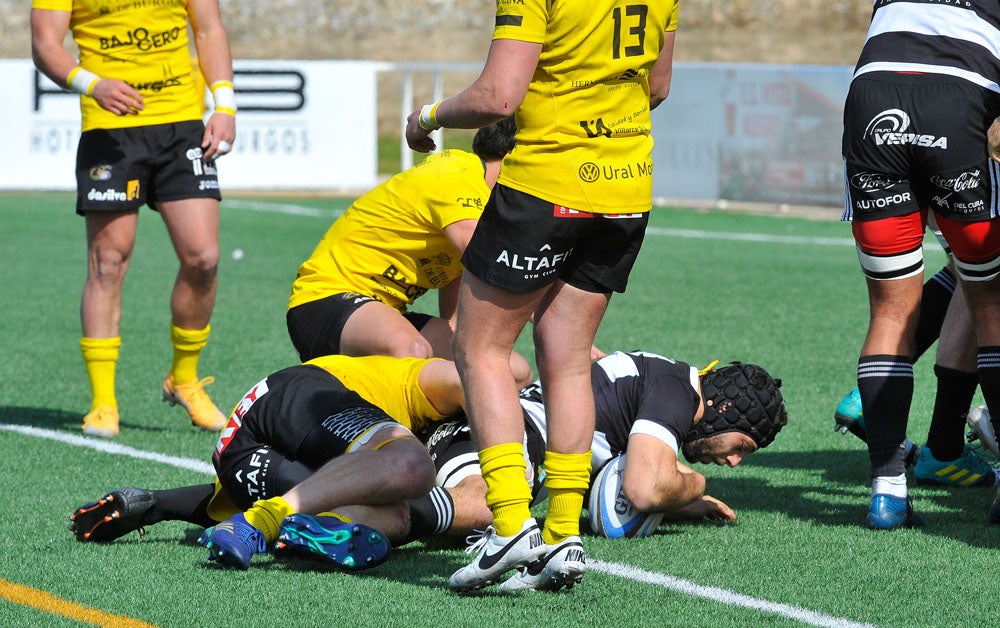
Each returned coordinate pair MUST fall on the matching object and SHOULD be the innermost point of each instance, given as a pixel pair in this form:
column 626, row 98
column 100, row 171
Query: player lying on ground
column 649, row 405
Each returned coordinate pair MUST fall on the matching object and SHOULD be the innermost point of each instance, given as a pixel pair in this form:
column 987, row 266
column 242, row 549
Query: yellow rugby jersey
column 390, row 243
column 141, row 42
column 389, row 383
column 583, row 131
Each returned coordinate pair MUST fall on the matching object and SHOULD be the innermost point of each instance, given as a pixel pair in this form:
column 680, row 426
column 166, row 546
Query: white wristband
column 428, row 117
column 81, row 81
column 224, row 97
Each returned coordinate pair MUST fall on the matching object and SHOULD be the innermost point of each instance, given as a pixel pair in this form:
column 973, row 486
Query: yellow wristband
column 224, row 96
column 81, row 81
column 428, row 117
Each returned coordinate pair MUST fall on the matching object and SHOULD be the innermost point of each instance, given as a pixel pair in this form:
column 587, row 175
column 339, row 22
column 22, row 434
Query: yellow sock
column 507, row 492
column 567, row 477
column 266, row 516
column 188, row 344
column 100, row 356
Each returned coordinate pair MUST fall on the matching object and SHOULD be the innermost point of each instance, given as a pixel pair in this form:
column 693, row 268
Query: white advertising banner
column 301, row 125
column 757, row 133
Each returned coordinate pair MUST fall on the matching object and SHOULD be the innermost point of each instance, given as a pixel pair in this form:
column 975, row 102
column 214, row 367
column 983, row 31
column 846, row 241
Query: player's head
column 739, row 399
column 496, row 140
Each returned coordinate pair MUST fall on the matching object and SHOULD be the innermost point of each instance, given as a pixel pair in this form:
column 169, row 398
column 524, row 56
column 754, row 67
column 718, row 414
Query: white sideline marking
column 747, row 237
column 282, row 208
column 615, row 569
column 721, row 595
column 110, row 447
column 302, row 210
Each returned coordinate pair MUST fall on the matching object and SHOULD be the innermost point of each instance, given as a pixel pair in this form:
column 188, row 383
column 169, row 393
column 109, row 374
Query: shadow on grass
column 41, row 417
column 841, row 495
column 61, row 420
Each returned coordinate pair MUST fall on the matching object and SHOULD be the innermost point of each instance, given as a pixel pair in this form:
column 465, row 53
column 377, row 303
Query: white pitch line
column 111, row 448
column 615, row 569
column 721, row 595
column 282, row 208
column 747, row 237
column 302, row 210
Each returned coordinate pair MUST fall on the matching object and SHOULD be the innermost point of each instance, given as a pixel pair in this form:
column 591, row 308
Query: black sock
column 187, row 503
column 430, row 515
column 886, row 386
column 934, row 302
column 989, row 381
column 955, row 389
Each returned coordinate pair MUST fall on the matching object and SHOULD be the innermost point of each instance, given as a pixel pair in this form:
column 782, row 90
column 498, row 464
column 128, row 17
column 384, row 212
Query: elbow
column 657, row 96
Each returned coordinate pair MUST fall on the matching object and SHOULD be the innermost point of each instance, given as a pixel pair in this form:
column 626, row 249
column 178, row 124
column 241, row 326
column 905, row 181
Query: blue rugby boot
column 966, row 470
column 350, row 546
column 233, row 542
column 849, row 416
column 888, row 512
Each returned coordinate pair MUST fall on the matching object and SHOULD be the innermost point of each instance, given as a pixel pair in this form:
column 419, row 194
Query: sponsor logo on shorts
column 871, row 181
column 113, row 195
column 884, row 202
column 889, row 129
column 969, row 180
column 542, row 264
column 100, row 173
column 197, row 165
column 209, row 184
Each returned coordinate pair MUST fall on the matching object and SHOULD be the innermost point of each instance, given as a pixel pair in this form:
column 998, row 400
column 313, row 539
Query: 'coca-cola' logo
column 964, row 181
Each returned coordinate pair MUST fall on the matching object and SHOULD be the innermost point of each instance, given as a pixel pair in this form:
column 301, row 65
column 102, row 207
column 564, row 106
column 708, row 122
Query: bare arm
column 662, row 72
column 654, row 480
column 495, row 95
column 440, row 382
column 458, row 233
column 48, row 30
column 216, row 63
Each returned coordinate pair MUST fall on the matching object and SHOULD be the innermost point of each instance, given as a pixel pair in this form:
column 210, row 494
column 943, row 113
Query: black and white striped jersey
column 960, row 38
column 635, row 392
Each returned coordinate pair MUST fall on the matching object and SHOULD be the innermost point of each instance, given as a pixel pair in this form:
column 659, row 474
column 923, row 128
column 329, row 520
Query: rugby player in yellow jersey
column 143, row 141
column 400, row 240
column 560, row 233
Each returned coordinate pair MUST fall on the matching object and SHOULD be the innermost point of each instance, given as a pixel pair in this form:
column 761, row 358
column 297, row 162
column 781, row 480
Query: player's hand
column 118, row 97
column 993, row 138
column 596, row 354
column 220, row 133
column 417, row 137
column 707, row 507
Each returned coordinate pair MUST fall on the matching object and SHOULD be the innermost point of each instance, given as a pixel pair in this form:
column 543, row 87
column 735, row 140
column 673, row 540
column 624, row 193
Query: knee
column 107, row 264
column 416, row 468
column 201, row 268
column 416, row 347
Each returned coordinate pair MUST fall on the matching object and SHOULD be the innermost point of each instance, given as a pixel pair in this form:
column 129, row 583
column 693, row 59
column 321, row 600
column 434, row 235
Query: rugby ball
column 611, row 513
